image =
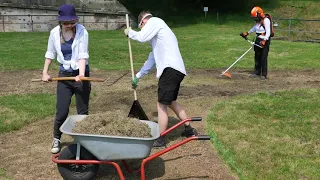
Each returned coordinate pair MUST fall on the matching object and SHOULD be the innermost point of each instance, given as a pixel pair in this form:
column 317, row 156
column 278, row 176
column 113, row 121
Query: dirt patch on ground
column 112, row 123
column 25, row 154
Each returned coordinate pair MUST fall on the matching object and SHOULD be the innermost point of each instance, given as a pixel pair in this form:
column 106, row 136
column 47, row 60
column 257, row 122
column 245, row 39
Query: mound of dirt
column 112, row 124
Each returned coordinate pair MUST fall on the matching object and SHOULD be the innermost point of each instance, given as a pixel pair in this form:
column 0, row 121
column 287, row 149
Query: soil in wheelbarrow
column 112, row 124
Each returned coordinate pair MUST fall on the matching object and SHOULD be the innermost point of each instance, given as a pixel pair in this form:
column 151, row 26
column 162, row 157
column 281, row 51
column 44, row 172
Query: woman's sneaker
column 160, row 142
column 55, row 146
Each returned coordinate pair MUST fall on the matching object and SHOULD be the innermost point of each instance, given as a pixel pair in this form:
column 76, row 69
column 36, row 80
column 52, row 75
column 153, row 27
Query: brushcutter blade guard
column 227, row 74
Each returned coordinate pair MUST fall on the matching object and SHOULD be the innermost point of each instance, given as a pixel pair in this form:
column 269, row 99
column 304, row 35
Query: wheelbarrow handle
column 196, row 119
column 179, row 124
column 203, row 137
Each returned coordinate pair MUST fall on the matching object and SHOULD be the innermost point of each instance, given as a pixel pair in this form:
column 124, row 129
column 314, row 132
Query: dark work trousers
column 65, row 91
column 261, row 59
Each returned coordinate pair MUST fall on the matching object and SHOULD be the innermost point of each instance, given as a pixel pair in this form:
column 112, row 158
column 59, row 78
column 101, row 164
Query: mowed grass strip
column 19, row 110
column 269, row 135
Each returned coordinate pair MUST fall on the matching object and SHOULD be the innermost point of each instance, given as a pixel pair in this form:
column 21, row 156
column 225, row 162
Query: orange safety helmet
column 257, row 13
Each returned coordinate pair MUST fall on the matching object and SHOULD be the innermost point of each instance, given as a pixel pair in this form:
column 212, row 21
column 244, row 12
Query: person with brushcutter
column 69, row 42
column 264, row 31
column 166, row 56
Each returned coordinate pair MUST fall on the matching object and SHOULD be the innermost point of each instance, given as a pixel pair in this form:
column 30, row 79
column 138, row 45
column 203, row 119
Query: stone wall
column 41, row 15
column 102, row 6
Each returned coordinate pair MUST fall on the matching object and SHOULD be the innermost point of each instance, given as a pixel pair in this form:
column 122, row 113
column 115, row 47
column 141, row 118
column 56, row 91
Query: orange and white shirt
column 258, row 28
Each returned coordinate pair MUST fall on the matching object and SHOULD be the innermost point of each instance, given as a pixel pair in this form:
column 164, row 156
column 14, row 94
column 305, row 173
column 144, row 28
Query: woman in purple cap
column 68, row 42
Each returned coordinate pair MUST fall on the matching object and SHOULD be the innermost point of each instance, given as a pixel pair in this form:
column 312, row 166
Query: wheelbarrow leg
column 116, row 165
column 78, row 152
column 144, row 161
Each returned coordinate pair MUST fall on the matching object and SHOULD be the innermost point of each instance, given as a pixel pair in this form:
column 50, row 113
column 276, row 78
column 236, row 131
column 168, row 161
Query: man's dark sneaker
column 160, row 142
column 254, row 76
column 263, row 78
column 189, row 131
column 55, row 146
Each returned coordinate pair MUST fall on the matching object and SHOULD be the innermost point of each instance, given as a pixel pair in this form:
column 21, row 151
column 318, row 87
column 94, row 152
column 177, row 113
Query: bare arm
column 82, row 67
column 83, row 55
column 45, row 75
column 50, row 54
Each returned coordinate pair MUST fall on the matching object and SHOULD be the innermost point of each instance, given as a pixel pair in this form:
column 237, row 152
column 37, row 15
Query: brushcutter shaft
column 237, row 60
column 251, row 42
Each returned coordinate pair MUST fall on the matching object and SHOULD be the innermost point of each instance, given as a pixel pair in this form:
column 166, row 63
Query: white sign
column 206, row 9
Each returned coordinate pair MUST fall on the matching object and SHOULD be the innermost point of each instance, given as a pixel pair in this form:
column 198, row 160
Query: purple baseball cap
column 67, row 13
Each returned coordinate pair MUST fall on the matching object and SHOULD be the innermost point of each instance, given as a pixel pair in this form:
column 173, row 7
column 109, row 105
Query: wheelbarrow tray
column 112, row 147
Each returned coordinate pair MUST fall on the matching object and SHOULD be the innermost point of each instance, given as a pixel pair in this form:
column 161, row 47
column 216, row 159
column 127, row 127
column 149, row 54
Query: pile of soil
column 112, row 124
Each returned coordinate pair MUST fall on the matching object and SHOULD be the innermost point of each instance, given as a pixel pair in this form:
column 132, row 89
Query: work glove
column 126, row 31
column 134, row 82
column 244, row 35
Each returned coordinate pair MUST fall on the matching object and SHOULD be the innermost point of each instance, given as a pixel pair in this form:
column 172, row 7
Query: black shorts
column 168, row 85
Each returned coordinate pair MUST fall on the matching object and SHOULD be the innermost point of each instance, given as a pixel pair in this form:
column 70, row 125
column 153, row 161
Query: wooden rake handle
column 131, row 59
column 71, row 79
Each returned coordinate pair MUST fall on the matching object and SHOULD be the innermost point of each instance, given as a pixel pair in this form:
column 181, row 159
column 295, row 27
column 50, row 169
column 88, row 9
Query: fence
column 31, row 23
column 297, row 29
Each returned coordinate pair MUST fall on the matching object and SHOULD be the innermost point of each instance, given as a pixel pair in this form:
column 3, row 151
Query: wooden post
column 4, row 29
column 217, row 17
column 289, row 33
column 83, row 19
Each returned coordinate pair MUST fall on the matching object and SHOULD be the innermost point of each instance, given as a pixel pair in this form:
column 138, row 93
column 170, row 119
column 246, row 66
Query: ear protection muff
column 260, row 14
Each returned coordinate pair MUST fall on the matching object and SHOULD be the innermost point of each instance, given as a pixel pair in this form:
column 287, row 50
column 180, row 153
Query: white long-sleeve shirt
column 79, row 47
column 258, row 28
column 165, row 49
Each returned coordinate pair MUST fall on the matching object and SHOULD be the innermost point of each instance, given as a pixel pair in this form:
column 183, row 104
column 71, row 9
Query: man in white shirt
column 165, row 55
column 262, row 28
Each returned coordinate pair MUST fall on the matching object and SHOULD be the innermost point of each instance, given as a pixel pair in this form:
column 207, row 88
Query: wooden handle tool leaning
column 71, row 79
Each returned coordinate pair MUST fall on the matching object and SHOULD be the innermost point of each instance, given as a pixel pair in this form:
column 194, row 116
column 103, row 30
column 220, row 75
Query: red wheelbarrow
column 80, row 161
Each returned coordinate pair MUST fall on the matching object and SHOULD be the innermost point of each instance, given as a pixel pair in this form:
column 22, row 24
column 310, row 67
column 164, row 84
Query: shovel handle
column 71, row 79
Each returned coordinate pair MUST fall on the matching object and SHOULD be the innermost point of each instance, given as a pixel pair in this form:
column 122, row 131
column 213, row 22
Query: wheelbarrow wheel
column 74, row 171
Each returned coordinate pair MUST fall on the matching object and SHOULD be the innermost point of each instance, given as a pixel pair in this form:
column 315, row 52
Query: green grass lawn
column 261, row 136
column 19, row 110
column 3, row 174
column 269, row 135
column 202, row 46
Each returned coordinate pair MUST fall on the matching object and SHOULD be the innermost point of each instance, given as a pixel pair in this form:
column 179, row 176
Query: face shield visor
column 141, row 24
column 256, row 19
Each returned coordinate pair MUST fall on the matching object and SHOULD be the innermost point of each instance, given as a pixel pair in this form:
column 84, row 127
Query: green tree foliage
column 190, row 7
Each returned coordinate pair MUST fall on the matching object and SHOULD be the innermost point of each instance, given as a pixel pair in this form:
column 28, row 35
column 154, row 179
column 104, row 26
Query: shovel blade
column 227, row 74
column 136, row 111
